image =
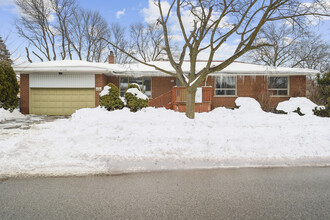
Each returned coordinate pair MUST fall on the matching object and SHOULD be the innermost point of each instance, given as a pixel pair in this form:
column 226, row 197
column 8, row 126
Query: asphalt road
column 262, row 193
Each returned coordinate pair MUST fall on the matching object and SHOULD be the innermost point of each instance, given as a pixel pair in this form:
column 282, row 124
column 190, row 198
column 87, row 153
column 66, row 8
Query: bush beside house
column 135, row 99
column 109, row 98
column 9, row 87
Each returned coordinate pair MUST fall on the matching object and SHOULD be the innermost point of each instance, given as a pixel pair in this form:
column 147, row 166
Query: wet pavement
column 247, row 193
column 26, row 123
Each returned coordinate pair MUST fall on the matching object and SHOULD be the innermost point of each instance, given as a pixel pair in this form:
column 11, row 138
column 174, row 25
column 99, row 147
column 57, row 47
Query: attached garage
column 60, row 101
column 60, row 93
column 61, row 87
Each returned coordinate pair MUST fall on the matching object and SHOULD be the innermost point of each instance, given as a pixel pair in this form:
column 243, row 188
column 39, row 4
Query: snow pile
column 7, row 115
column 247, row 104
column 137, row 93
column 97, row 141
column 306, row 106
column 105, row 91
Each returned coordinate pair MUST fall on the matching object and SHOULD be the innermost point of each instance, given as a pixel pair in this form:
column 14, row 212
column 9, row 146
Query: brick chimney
column 111, row 58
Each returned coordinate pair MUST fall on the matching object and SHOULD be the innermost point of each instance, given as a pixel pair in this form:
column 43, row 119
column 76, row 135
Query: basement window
column 225, row 85
column 143, row 82
column 278, row 86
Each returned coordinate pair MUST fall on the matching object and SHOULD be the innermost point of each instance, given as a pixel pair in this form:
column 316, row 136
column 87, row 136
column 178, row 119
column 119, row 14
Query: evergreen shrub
column 9, row 87
column 133, row 102
column 111, row 101
column 299, row 112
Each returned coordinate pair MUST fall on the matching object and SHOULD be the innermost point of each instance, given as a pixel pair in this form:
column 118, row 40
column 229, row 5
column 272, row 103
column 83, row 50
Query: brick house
column 61, row 87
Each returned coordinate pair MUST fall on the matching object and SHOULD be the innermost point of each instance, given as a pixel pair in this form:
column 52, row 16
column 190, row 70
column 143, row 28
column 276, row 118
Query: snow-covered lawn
column 97, row 141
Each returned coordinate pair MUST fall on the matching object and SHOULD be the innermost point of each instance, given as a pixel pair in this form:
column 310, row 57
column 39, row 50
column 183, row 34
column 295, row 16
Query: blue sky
column 125, row 12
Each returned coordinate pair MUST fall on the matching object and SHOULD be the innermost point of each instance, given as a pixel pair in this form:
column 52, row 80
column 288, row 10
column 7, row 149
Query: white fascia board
column 141, row 74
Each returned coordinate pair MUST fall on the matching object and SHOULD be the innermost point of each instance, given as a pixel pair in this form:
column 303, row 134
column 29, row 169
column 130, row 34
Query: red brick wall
column 114, row 80
column 297, row 86
column 161, row 85
column 24, row 93
column 253, row 86
column 100, row 81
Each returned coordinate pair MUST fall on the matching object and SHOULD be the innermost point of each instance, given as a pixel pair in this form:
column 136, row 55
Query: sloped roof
column 138, row 69
column 77, row 66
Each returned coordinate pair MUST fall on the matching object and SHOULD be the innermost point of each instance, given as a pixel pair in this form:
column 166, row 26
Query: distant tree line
column 61, row 29
column 292, row 47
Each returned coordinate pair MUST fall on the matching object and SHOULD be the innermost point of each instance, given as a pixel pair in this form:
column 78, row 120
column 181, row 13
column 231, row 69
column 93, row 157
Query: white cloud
column 120, row 13
column 151, row 14
column 176, row 37
column 224, row 52
column 6, row 2
column 9, row 5
column 321, row 7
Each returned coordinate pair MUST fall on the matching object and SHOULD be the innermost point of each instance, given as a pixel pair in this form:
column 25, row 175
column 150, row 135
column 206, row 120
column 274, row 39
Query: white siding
column 62, row 81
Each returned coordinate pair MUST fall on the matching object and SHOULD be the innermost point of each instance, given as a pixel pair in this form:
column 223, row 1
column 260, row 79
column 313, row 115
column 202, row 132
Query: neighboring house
column 61, row 87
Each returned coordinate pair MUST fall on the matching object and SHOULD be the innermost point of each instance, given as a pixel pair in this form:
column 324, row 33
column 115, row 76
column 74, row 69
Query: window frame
column 215, row 88
column 128, row 82
column 273, row 89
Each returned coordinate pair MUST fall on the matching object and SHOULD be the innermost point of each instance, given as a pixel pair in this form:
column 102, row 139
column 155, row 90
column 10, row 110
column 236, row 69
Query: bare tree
column 95, row 27
column 60, row 29
column 282, row 40
column 84, row 32
column 64, row 12
column 312, row 52
column 118, row 36
column 35, row 26
column 213, row 23
column 76, row 27
column 292, row 48
column 148, row 41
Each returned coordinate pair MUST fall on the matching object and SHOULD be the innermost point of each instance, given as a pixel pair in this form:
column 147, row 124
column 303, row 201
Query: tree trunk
column 190, row 104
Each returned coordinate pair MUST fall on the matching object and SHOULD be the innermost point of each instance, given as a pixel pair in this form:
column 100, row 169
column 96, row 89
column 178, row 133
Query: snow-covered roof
column 138, row 69
column 239, row 68
column 72, row 66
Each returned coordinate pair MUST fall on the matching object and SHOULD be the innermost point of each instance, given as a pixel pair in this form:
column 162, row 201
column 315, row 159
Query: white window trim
column 215, row 89
column 288, row 94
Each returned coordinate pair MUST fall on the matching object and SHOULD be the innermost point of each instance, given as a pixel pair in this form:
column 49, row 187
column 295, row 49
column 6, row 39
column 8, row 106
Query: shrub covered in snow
column 135, row 99
column 299, row 112
column 133, row 85
column 247, row 104
column 109, row 98
column 305, row 105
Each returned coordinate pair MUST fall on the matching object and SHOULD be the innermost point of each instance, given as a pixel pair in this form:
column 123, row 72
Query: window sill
column 225, row 96
column 280, row 96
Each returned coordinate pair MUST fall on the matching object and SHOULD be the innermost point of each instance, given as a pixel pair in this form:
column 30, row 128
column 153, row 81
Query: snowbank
column 7, row 115
column 306, row 106
column 248, row 105
column 96, row 141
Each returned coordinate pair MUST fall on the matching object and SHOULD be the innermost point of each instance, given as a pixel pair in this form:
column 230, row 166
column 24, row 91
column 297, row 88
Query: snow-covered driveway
column 27, row 122
column 97, row 141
